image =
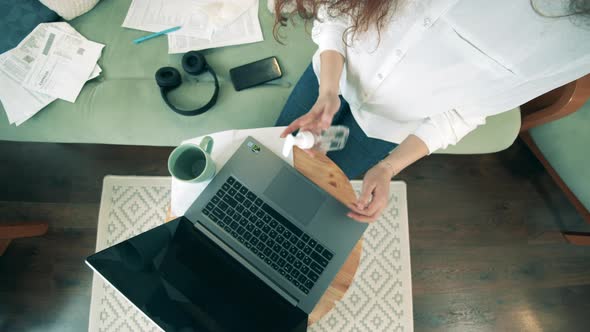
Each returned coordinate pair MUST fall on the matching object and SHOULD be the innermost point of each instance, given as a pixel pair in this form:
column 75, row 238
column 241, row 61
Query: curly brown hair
column 363, row 13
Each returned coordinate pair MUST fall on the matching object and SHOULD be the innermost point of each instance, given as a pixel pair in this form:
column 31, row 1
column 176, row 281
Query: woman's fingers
column 361, row 218
column 366, row 194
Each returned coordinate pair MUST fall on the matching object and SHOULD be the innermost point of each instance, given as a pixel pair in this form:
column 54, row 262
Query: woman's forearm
column 406, row 153
column 331, row 67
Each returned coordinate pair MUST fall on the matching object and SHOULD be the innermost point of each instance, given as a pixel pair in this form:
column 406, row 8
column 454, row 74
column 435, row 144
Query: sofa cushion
column 19, row 18
column 564, row 143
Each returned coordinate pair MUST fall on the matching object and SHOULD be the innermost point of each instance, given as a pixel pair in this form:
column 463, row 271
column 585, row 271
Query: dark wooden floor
column 484, row 232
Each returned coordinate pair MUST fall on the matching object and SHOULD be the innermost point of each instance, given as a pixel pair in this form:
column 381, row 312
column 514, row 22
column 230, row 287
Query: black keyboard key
column 305, row 238
column 300, row 254
column 270, row 242
column 261, row 255
column 312, row 243
column 307, row 250
column 296, row 283
column 267, row 251
column 290, row 258
column 251, row 196
column 274, row 256
column 284, row 253
column 282, row 272
column 248, row 244
column 259, row 222
column 288, row 267
column 309, row 284
column 280, row 229
column 289, row 277
column 210, row 206
column 253, row 208
column 286, row 233
column 300, row 244
column 237, row 185
column 222, row 205
column 232, row 192
column 234, row 234
column 316, row 268
column 260, row 214
column 294, row 273
column 307, row 260
column 263, row 237
column 241, row 230
column 282, row 262
column 304, row 269
column 258, row 201
column 319, row 248
column 247, row 203
column 297, row 264
column 303, row 288
column 230, row 180
column 215, row 199
column 301, row 278
column 253, row 219
column 243, row 190
column 240, row 208
column 250, row 227
column 293, row 239
column 267, row 218
column 260, row 246
column 230, row 201
column 275, row 266
column 279, row 239
column 246, row 213
column 268, row 261
column 318, row 258
column 277, row 247
column 312, row 275
column 254, row 240
column 225, row 186
column 218, row 221
column 227, row 220
column 206, row 212
column 247, row 236
column 257, row 232
column 243, row 221
column 266, row 228
column 240, row 198
column 241, row 239
column 273, row 223
column 328, row 255
column 234, row 225
column 255, row 251
column 293, row 250
column 286, row 244
column 218, row 213
column 281, row 219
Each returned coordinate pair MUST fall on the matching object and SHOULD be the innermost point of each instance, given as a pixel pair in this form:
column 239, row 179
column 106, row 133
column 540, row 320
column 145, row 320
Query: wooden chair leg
column 579, row 239
column 9, row 232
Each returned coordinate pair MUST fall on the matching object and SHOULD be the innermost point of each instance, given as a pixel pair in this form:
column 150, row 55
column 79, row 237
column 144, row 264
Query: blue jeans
column 360, row 153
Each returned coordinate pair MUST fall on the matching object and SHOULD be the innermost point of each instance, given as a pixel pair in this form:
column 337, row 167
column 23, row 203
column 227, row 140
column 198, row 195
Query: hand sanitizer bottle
column 332, row 139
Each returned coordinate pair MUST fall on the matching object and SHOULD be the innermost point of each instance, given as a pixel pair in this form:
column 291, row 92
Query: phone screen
column 255, row 73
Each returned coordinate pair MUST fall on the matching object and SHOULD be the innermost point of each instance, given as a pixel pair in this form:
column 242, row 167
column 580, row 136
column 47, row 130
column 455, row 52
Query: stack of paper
column 53, row 61
column 205, row 23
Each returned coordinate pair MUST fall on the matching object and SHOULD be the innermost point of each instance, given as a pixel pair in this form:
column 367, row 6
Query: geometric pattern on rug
column 379, row 298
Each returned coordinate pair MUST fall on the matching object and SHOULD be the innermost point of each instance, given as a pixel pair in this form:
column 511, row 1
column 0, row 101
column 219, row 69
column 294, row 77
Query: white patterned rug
column 379, row 299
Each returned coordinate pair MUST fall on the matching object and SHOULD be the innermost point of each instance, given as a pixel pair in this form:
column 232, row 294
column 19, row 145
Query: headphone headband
column 169, row 78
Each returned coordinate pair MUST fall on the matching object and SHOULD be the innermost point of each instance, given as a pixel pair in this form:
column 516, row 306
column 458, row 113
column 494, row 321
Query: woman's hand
column 319, row 117
column 375, row 194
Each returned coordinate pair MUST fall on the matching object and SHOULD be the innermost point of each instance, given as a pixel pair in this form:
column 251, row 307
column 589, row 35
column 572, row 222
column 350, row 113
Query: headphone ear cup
column 168, row 77
column 194, row 63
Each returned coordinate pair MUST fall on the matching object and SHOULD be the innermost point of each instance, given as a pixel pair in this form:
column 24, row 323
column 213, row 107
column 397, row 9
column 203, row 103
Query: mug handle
column 207, row 144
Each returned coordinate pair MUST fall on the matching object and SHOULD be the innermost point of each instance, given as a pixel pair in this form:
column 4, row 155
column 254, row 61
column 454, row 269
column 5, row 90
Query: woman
column 411, row 77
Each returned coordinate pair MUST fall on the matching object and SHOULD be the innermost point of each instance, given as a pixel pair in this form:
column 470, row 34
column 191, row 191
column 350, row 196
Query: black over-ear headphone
column 168, row 79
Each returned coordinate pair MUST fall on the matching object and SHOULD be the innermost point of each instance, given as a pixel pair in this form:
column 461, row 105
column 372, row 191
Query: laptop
column 254, row 252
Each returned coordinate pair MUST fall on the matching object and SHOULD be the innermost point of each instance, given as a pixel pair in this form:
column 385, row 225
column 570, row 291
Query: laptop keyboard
column 265, row 232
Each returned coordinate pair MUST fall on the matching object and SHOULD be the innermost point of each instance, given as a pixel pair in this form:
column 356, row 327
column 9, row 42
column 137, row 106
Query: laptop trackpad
column 294, row 195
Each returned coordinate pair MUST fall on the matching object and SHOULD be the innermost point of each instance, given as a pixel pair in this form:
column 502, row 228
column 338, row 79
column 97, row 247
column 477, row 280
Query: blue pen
column 156, row 34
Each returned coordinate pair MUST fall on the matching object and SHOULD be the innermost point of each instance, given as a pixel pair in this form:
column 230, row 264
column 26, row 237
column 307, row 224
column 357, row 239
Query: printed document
column 245, row 29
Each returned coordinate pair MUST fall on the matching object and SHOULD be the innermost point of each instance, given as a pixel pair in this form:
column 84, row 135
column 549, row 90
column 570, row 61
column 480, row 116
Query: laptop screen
column 183, row 281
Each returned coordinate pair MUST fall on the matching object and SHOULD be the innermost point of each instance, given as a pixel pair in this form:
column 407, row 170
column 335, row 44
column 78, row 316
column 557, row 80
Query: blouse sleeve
column 328, row 32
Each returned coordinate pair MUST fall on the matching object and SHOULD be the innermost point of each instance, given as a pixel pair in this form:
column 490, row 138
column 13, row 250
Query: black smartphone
column 255, row 73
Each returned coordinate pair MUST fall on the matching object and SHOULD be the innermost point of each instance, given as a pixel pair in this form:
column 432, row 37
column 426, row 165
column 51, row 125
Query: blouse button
column 380, row 76
column 398, row 53
column 427, row 22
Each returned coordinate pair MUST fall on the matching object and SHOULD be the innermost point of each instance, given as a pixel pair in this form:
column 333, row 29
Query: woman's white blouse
column 441, row 66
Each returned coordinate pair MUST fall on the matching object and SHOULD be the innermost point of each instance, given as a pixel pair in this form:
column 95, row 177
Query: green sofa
column 123, row 105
